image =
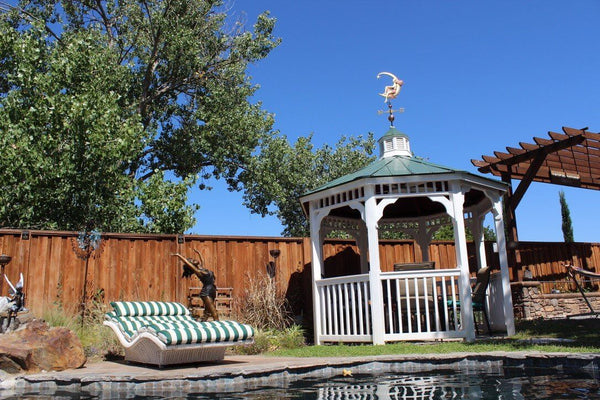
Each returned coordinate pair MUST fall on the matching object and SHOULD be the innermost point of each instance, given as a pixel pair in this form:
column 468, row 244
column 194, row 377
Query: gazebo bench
column 165, row 333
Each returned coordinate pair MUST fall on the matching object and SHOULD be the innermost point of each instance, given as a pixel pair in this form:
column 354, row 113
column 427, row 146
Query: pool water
column 442, row 385
column 544, row 384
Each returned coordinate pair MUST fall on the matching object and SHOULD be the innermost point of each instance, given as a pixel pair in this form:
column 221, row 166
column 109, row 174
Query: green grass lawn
column 577, row 336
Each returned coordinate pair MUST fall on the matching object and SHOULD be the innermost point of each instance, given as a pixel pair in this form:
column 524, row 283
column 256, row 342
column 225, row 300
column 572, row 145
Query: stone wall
column 530, row 303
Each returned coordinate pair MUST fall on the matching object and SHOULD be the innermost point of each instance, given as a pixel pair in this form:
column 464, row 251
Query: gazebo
column 417, row 301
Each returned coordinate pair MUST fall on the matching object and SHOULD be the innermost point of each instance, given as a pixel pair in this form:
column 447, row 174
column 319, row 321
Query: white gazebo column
column 462, row 258
column 316, row 217
column 509, row 316
column 372, row 216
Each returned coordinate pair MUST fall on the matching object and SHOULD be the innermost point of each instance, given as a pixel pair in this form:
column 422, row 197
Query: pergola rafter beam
column 528, row 146
column 514, row 151
column 542, row 142
column 558, row 136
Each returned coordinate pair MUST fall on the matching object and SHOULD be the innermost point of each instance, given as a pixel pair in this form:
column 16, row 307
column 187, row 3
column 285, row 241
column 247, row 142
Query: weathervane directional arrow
column 391, row 112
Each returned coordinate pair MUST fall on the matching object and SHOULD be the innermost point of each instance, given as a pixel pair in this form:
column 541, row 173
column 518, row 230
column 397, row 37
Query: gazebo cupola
column 394, row 143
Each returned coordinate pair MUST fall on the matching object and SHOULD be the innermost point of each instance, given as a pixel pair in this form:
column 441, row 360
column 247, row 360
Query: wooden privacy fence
column 141, row 267
column 545, row 262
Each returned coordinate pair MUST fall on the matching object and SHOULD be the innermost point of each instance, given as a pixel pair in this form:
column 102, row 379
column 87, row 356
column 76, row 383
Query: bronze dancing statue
column 207, row 277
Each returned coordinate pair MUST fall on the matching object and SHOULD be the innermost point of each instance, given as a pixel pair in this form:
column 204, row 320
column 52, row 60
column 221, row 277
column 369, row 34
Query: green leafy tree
column 567, row 226
column 65, row 142
column 446, row 232
column 489, row 234
column 274, row 181
column 110, row 111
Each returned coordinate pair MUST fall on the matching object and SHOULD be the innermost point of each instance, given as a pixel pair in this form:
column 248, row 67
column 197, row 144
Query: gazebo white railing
column 416, row 305
column 345, row 309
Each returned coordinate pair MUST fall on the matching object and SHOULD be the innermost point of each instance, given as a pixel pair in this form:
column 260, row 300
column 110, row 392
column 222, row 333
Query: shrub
column 98, row 341
column 291, row 338
column 262, row 305
column 271, row 340
column 261, row 345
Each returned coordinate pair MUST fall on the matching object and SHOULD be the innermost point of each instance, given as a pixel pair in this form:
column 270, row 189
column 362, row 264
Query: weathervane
column 391, row 92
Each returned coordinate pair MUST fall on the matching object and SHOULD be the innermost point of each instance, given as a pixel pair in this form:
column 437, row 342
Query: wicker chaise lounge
column 164, row 333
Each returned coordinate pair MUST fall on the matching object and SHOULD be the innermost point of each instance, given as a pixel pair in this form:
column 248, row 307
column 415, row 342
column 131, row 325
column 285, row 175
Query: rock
column 36, row 347
column 9, row 365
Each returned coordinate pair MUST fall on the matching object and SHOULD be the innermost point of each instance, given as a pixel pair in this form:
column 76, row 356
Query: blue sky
column 478, row 76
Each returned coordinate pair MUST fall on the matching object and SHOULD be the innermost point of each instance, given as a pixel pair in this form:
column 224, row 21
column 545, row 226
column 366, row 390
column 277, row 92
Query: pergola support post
column 512, row 236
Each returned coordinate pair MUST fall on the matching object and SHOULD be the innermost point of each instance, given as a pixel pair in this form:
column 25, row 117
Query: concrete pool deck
column 239, row 373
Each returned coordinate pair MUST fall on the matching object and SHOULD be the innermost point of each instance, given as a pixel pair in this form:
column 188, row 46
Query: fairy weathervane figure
column 390, row 92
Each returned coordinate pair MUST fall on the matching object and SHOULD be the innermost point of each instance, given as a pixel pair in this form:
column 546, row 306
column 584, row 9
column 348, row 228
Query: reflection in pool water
column 446, row 385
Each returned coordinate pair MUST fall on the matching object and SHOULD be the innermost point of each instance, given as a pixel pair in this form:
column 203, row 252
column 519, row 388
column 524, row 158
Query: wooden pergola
column 571, row 158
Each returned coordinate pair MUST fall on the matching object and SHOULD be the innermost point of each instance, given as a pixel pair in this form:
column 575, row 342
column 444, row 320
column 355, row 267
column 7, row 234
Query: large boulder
column 36, row 347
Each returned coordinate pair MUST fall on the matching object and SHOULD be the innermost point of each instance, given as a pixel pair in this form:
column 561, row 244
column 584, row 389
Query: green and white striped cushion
column 128, row 328
column 156, row 326
column 148, row 308
column 172, row 323
column 206, row 332
column 131, row 325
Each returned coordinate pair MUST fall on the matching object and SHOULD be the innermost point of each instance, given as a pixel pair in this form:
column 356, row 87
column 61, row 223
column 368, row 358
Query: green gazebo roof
column 387, row 167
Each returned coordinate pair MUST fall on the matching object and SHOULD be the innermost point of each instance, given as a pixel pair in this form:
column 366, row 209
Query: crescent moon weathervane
column 392, row 91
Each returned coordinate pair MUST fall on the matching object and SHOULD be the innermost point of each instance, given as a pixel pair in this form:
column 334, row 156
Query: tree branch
column 150, row 68
column 31, row 17
column 106, row 21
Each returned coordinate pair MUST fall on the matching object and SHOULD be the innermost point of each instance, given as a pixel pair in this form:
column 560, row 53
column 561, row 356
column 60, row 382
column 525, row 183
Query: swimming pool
column 507, row 375
column 432, row 386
